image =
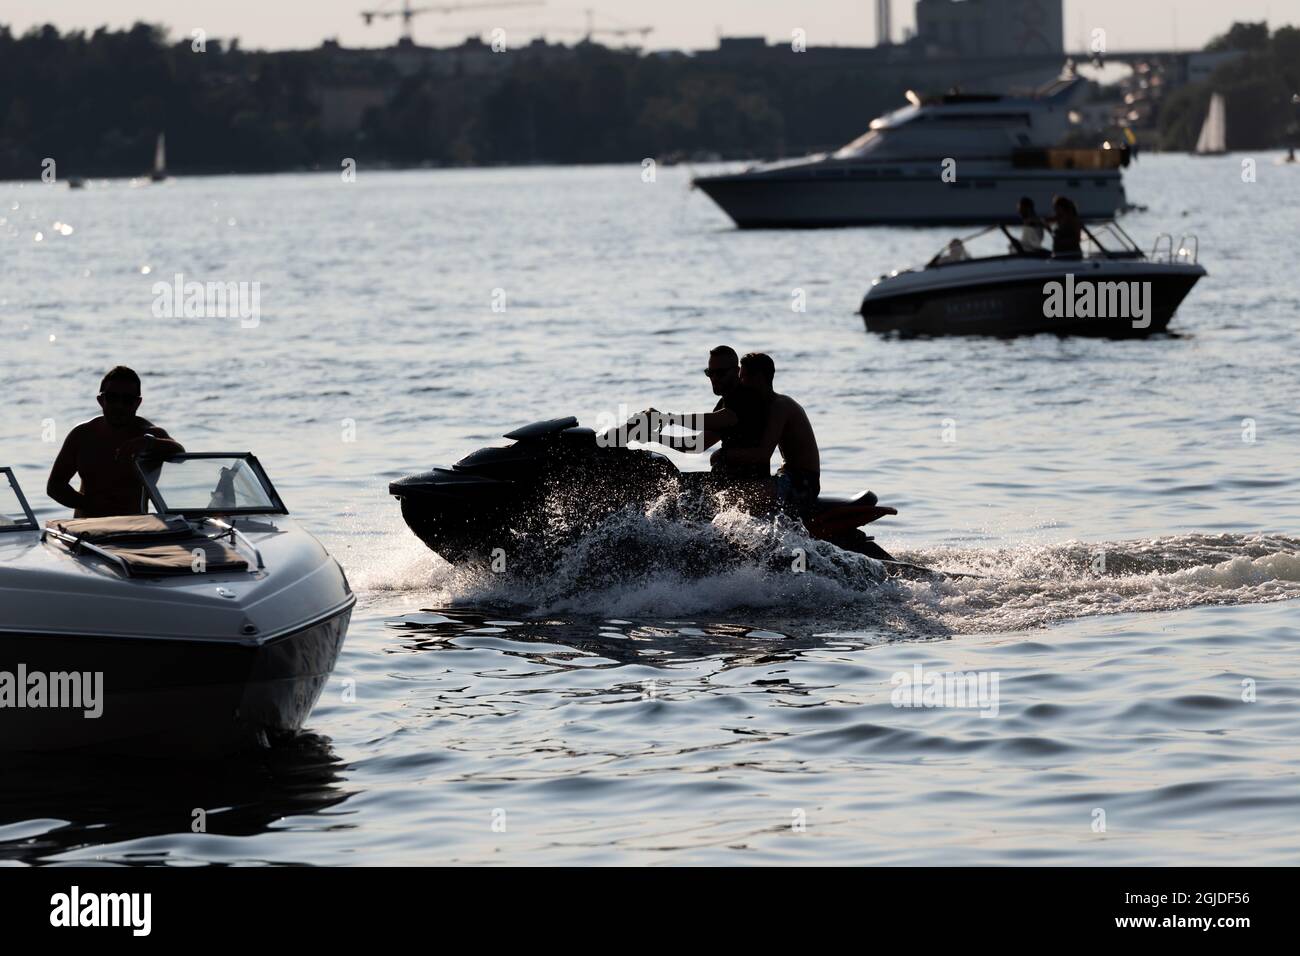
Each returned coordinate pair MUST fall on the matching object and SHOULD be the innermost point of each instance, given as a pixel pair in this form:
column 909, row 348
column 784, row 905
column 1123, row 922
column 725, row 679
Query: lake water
column 742, row 717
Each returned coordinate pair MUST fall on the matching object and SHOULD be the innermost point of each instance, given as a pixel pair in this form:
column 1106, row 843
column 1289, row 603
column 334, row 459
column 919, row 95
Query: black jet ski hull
column 528, row 501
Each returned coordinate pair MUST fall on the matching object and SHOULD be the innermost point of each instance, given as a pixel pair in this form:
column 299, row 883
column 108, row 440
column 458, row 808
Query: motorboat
column 953, row 159
column 206, row 625
column 1112, row 289
column 505, row 501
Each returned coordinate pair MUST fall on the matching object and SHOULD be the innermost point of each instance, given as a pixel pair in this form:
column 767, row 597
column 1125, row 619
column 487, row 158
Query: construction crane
column 592, row 29
column 408, row 12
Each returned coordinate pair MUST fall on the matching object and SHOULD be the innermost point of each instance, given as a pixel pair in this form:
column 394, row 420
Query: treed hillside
column 96, row 102
column 1258, row 89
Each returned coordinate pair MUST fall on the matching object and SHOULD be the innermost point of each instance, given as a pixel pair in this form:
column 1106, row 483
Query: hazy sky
column 1129, row 24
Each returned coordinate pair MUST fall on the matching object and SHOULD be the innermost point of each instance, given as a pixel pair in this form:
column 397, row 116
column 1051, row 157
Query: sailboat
column 1213, row 140
column 159, row 171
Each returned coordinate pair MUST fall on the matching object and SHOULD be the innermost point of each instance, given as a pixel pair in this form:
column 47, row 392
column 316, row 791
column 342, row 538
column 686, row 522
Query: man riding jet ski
column 556, row 482
column 532, row 499
column 763, row 422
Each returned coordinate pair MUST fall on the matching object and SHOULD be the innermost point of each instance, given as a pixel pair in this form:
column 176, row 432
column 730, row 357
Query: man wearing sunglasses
column 737, row 421
column 101, row 452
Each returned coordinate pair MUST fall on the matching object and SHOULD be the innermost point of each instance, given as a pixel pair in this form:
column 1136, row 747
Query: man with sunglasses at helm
column 101, row 451
column 737, row 421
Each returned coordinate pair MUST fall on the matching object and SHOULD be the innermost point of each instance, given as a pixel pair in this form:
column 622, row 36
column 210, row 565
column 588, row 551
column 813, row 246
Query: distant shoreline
column 363, row 169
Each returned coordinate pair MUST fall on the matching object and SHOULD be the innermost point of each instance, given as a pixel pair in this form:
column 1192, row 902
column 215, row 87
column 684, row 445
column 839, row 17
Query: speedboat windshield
column 1101, row 239
column 210, row 483
column 15, row 515
column 1106, row 239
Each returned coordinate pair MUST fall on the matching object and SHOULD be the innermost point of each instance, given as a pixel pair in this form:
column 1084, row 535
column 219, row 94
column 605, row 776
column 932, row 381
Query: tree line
column 1260, row 91
column 95, row 102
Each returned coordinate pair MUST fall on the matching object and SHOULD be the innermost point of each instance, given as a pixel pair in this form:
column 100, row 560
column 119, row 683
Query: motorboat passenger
column 955, row 251
column 1032, row 228
column 1067, row 239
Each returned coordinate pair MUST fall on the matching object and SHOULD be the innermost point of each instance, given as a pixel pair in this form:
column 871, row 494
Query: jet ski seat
column 146, row 544
column 865, row 499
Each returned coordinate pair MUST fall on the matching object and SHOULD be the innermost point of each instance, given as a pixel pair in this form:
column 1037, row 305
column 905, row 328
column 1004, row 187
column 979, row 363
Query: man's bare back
column 789, row 430
column 788, row 423
column 798, row 482
column 787, row 426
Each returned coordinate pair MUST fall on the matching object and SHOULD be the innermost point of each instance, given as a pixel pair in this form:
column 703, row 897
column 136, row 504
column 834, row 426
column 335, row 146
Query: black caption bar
column 331, row 906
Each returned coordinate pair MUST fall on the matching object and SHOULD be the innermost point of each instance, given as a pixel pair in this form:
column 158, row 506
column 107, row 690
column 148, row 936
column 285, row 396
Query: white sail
column 160, row 156
column 1214, row 132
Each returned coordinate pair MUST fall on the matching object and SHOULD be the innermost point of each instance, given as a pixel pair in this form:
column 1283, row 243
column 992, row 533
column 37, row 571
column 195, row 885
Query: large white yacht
column 943, row 160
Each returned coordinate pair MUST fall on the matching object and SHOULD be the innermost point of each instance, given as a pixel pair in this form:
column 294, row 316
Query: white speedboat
column 1113, row 289
column 953, row 159
column 211, row 624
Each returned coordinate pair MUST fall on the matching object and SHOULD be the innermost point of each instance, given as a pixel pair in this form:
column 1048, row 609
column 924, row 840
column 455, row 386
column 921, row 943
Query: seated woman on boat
column 955, row 251
column 1067, row 229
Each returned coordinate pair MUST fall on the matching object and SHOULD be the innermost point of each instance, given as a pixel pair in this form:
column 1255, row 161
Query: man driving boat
column 101, row 451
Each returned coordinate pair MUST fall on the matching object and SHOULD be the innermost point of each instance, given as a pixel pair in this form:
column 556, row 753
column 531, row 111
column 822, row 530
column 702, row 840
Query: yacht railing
column 1162, row 250
column 1188, row 250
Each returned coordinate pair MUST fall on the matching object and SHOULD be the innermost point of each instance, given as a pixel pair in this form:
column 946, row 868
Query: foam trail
column 660, row 562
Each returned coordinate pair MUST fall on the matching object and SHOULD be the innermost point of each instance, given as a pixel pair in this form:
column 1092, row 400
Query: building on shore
column 990, row 28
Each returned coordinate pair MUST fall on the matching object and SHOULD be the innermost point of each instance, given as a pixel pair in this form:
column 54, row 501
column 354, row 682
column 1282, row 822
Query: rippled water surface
column 1130, row 508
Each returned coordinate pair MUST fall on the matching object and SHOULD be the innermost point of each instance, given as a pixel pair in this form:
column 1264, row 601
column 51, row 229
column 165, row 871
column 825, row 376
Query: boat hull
column 843, row 197
column 178, row 697
column 1016, row 307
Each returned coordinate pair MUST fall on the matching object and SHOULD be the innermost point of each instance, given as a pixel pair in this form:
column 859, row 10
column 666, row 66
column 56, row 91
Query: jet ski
column 1113, row 290
column 501, row 501
column 207, row 626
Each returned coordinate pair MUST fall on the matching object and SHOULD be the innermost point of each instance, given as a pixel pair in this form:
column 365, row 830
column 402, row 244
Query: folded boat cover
column 180, row 558
column 152, row 545
column 124, row 528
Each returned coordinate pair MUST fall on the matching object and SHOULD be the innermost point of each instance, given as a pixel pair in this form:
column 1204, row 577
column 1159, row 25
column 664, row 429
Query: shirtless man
column 799, row 480
column 101, row 452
